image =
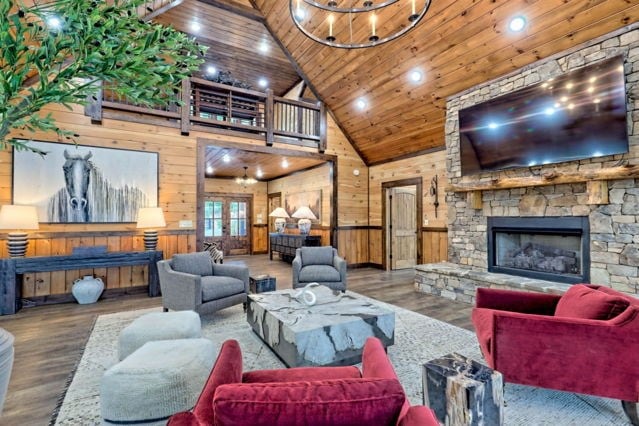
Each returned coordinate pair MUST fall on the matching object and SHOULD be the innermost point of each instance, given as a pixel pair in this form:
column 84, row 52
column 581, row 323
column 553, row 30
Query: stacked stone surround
column 614, row 227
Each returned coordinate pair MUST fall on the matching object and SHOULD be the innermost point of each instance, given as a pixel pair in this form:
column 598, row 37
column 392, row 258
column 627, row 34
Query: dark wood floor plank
column 50, row 339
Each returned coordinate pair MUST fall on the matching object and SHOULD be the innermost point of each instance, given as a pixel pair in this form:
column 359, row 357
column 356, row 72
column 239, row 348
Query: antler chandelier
column 354, row 24
column 245, row 180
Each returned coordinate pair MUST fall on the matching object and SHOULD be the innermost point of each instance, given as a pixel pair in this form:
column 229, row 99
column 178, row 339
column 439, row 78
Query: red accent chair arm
column 419, row 415
column 516, row 301
column 185, row 418
column 301, row 374
column 594, row 357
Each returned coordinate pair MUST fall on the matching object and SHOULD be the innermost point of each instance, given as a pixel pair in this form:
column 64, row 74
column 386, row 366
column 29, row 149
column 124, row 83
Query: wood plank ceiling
column 459, row 44
column 230, row 162
column 236, row 35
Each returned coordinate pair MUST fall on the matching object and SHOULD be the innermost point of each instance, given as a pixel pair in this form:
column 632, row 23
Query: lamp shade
column 304, row 213
column 151, row 217
column 18, row 217
column 279, row 212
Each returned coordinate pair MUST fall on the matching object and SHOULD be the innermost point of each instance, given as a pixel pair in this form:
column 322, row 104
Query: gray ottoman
column 158, row 326
column 158, row 380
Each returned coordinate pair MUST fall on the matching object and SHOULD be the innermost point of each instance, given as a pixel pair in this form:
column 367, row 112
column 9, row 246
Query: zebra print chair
column 214, row 250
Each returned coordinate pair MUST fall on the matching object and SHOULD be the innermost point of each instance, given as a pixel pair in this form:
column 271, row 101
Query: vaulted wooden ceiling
column 459, row 44
column 237, row 39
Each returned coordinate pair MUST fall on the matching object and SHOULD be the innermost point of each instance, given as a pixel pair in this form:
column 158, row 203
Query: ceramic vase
column 87, row 290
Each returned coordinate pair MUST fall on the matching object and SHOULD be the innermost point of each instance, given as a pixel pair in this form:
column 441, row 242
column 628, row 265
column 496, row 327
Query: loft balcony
column 220, row 108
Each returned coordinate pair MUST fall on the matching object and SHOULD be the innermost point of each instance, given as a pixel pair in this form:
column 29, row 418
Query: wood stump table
column 463, row 392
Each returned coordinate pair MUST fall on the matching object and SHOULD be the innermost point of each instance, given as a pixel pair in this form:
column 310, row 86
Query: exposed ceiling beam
column 162, row 9
column 247, row 12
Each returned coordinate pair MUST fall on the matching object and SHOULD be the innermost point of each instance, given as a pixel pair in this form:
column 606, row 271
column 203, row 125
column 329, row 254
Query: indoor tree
column 56, row 52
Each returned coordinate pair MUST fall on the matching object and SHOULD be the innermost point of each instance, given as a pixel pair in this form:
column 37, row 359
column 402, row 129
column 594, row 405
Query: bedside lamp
column 150, row 217
column 304, row 214
column 19, row 219
column 280, row 221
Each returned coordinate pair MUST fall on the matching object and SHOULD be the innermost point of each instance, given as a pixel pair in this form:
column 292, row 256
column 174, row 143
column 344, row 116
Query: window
column 213, row 218
column 238, row 218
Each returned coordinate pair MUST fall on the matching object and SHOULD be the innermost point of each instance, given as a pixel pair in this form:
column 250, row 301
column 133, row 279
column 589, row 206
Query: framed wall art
column 85, row 184
column 312, row 199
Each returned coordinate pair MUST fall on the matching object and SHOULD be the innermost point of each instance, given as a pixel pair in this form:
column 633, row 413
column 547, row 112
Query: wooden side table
column 261, row 283
column 463, row 392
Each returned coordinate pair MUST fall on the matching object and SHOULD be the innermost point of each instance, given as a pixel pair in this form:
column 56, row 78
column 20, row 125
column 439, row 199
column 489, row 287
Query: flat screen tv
column 581, row 114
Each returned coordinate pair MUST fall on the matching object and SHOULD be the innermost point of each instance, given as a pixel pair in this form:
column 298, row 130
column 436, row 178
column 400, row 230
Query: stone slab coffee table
column 331, row 332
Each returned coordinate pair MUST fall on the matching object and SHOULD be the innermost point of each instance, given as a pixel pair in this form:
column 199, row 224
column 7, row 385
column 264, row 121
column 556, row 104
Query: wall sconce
column 150, row 217
column 434, row 191
column 305, row 215
column 18, row 219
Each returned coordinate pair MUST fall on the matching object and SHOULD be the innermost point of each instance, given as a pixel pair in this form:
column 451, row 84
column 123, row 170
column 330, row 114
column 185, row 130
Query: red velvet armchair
column 585, row 341
column 311, row 396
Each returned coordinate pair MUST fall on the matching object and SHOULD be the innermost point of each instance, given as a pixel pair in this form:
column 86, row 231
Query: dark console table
column 286, row 244
column 12, row 269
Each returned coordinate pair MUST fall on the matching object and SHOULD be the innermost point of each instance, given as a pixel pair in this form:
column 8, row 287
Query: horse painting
column 89, row 197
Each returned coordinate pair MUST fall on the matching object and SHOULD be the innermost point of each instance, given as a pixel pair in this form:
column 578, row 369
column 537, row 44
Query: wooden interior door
column 403, row 227
column 227, row 223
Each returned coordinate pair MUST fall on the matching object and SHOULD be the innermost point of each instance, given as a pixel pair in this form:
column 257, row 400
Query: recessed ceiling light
column 54, row 22
column 226, row 158
column 416, row 76
column 195, row 26
column 211, row 70
column 517, row 24
column 264, row 48
column 492, row 125
column 209, row 170
column 262, row 82
column 360, row 103
column 300, row 13
column 563, row 98
column 571, row 106
column 259, row 173
column 285, row 163
column 549, row 111
column 569, row 86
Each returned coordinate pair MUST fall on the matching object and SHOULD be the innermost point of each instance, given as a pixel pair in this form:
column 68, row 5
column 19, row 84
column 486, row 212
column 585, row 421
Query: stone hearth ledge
column 459, row 282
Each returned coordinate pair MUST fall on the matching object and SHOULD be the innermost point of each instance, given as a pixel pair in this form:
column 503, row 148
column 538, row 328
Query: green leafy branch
column 58, row 51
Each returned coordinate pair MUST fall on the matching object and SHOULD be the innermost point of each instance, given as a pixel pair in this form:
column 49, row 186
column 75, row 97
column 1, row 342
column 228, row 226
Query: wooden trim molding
column 551, row 177
column 434, row 229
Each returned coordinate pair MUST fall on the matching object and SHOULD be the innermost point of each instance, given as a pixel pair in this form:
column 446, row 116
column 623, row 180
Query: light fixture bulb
column 195, row 26
column 264, row 47
column 360, row 103
column 54, row 22
column 517, row 24
column 285, row 163
column 209, row 170
column 259, row 173
column 262, row 82
column 416, row 76
column 211, row 70
column 226, row 158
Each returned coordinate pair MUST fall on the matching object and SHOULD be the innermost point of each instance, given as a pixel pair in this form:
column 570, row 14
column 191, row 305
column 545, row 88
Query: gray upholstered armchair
column 192, row 282
column 319, row 265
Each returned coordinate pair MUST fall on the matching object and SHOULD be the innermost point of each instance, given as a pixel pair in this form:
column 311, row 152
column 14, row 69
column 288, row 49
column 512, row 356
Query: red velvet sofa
column 304, row 396
column 586, row 341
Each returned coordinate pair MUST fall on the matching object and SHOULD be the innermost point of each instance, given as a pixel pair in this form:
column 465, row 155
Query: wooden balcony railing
column 209, row 106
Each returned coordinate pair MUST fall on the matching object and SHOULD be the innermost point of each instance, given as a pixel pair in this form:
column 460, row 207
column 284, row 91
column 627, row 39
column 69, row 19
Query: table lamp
column 18, row 219
column 150, row 218
column 280, row 221
column 305, row 215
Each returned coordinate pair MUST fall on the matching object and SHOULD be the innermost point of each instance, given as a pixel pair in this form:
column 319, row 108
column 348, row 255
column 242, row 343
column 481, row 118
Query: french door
column 227, row 223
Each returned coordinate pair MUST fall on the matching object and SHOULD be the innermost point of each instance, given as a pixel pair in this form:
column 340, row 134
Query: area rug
column 418, row 339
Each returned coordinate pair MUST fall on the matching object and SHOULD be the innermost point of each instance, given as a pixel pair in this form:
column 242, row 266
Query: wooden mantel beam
column 548, row 178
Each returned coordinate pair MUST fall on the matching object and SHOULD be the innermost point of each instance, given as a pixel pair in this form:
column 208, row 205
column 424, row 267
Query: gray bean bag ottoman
column 154, row 382
column 158, row 326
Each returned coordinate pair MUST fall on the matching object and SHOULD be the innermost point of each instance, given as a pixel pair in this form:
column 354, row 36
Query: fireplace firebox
column 549, row 248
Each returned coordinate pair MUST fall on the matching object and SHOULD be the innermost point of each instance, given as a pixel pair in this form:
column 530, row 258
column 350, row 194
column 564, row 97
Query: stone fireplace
column 602, row 247
column 548, row 248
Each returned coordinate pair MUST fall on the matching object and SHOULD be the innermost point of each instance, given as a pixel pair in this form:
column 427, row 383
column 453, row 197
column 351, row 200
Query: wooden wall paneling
column 375, row 246
column 353, row 245
column 113, row 274
column 435, row 245
column 126, row 272
column 260, row 239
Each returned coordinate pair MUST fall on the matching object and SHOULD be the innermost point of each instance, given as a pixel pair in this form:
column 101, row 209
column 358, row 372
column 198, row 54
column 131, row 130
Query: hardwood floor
column 49, row 339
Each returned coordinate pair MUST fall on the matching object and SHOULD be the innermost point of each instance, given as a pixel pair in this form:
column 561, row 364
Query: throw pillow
column 581, row 301
column 217, row 255
column 343, row 402
column 193, row 263
column 317, row 255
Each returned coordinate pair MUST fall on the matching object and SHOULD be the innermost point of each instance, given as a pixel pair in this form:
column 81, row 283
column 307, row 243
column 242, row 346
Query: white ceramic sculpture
column 306, row 296
column 87, row 290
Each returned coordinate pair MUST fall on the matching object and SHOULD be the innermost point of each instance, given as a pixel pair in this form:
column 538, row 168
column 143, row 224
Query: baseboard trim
column 364, row 265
